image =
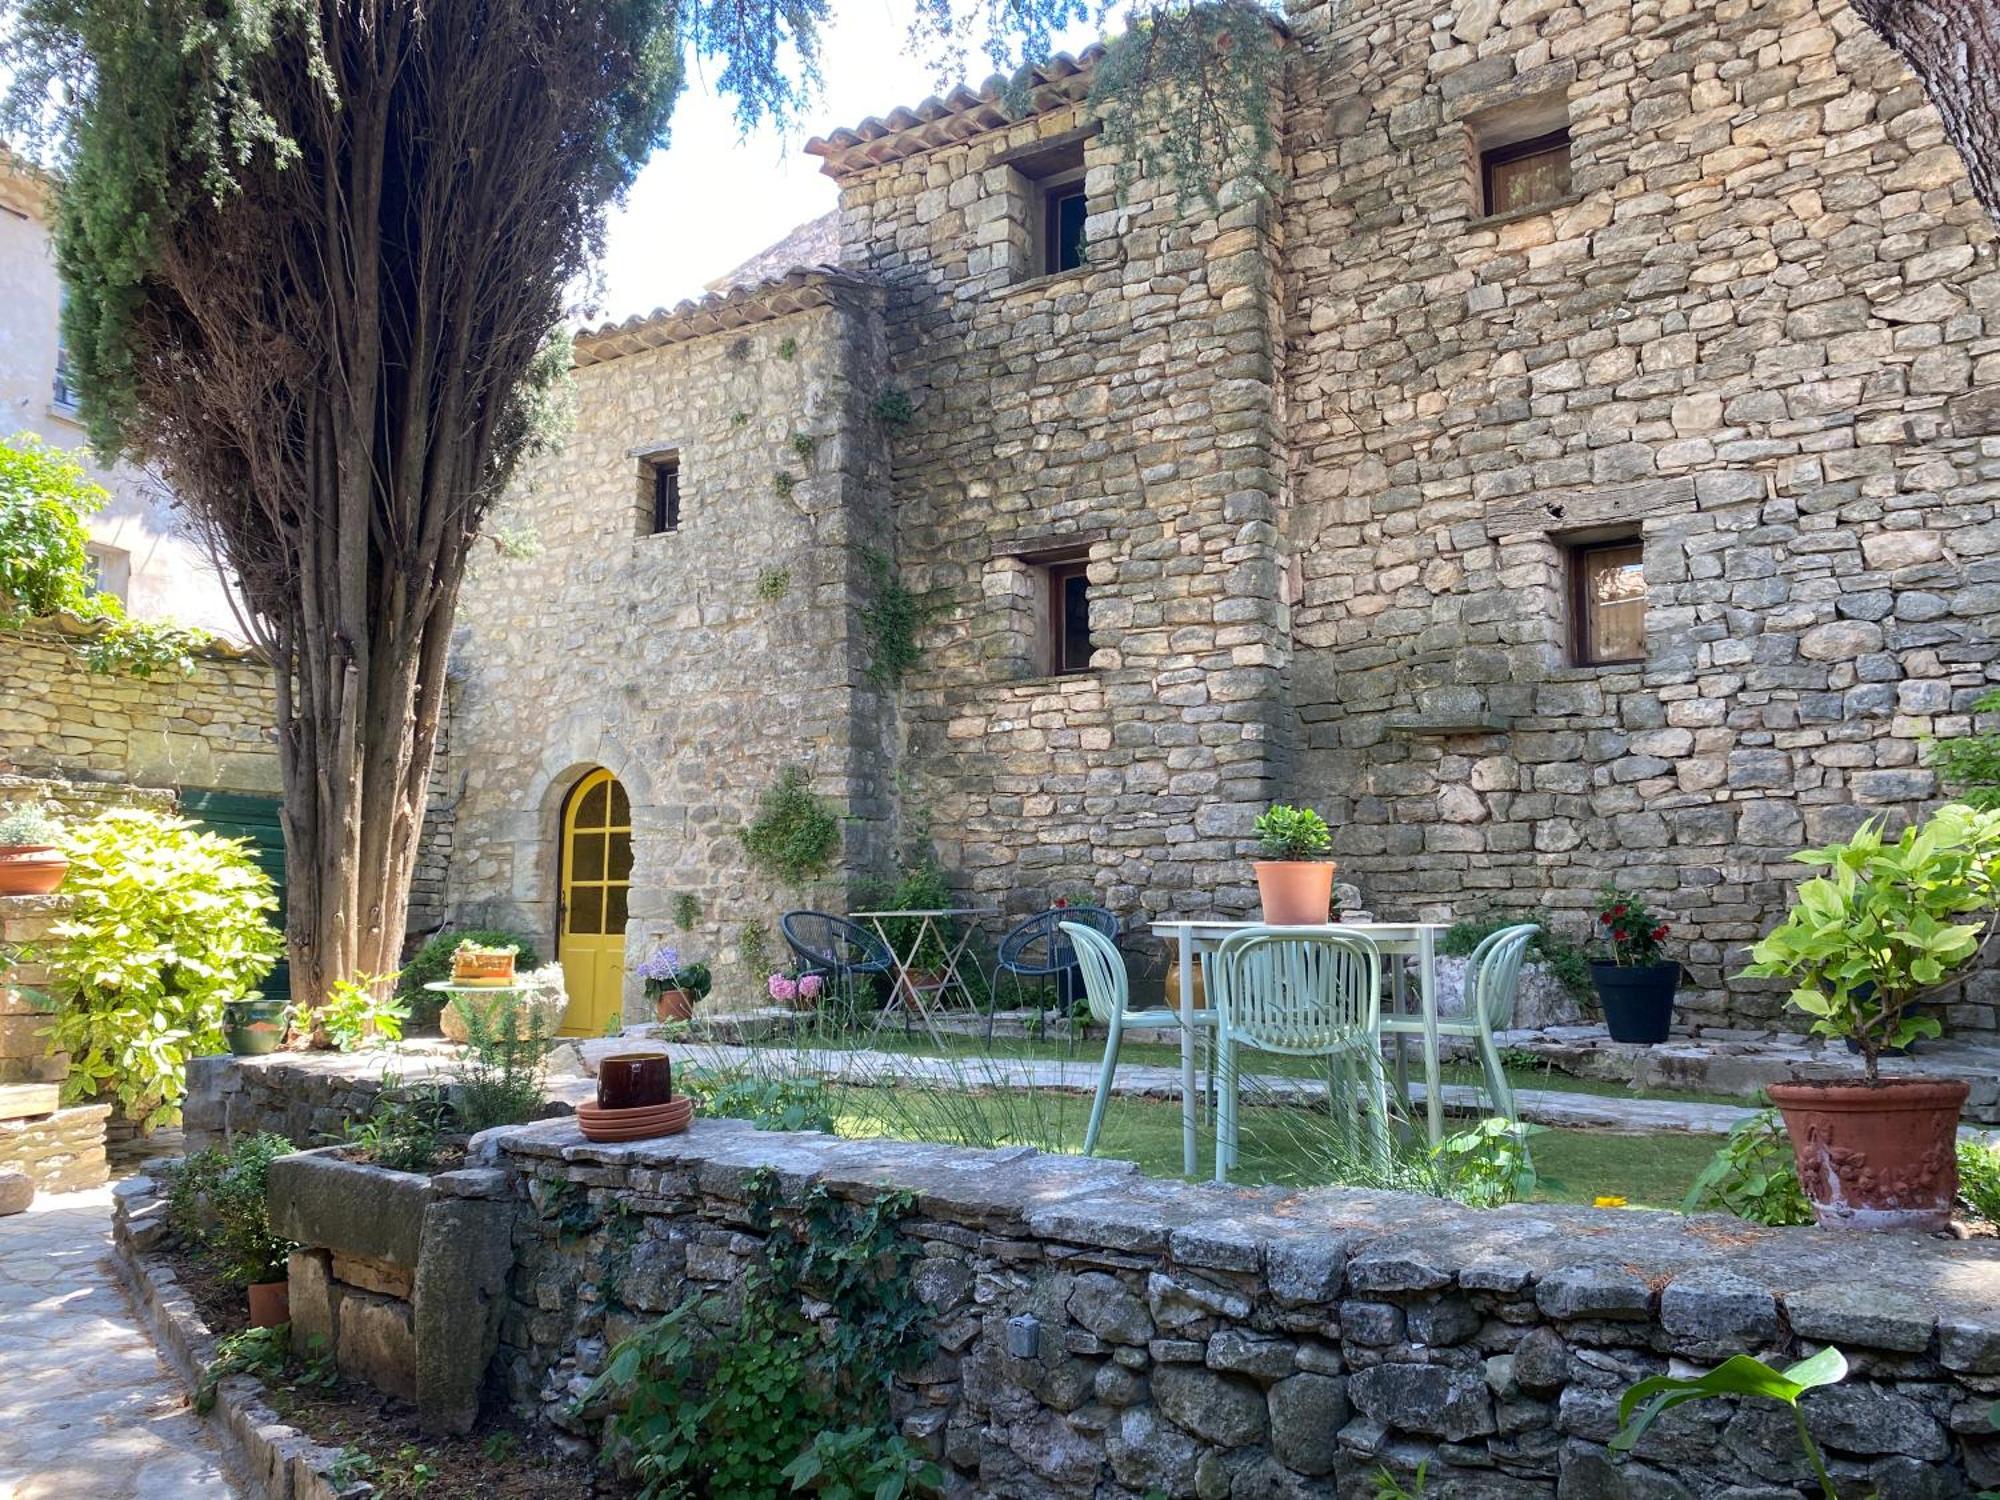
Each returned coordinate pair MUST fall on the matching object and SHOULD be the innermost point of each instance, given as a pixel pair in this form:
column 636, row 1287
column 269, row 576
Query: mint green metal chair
column 1108, row 987
column 1303, row 992
column 1492, row 980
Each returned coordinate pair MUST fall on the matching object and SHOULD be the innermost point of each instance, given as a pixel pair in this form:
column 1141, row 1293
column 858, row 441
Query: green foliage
column 773, row 584
column 783, row 483
column 788, row 348
column 1968, row 766
column 433, row 962
column 28, row 824
column 408, row 1130
column 687, row 910
column 248, row 1351
column 45, row 567
column 892, row 407
column 1890, row 921
column 920, row 885
column 753, row 947
column 1488, row 1164
column 217, row 1204
column 804, row 446
column 1563, row 959
column 1979, row 1179
column 165, row 923
column 501, row 1080
column 1292, row 833
column 770, row 1102
column 1754, row 1175
column 1628, row 928
column 795, row 837
column 890, row 620
column 1389, row 1487
column 362, row 1011
column 1739, row 1375
column 727, row 1404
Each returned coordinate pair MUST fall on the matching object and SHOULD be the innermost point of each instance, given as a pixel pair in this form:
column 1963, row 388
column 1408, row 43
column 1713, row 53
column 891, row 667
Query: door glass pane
column 621, row 856
column 614, row 908
column 1075, row 623
column 1614, row 592
column 586, row 856
column 621, row 807
column 590, row 811
column 586, row 910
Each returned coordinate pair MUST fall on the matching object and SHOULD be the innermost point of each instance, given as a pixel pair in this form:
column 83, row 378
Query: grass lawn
column 1277, row 1145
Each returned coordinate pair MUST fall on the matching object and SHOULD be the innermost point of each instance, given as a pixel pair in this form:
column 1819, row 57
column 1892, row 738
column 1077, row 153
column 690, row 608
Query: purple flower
column 661, row 966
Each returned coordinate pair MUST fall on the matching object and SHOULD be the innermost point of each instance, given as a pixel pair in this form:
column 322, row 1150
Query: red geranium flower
column 1659, row 932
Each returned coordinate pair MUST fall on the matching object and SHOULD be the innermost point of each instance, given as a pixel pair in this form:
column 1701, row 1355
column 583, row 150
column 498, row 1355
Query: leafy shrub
column 1968, row 766
column 1979, row 1179
column 769, row 1103
column 28, row 824
column 165, row 923
column 218, row 1204
column 918, row 886
column 1563, row 959
column 407, row 1130
column 433, row 962
column 500, row 1081
column 1292, row 833
column 1753, row 1175
column 357, row 1014
column 753, row 946
column 1487, row 1164
column 795, row 836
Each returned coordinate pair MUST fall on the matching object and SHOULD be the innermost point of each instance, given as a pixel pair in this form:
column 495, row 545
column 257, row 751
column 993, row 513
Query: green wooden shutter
column 243, row 815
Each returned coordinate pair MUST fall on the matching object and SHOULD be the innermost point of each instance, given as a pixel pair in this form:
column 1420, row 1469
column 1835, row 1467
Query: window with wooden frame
column 662, row 474
column 1525, row 174
column 1049, row 182
column 1067, row 624
column 1607, row 582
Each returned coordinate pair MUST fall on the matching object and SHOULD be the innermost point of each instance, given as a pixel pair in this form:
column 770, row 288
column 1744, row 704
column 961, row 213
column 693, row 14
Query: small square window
column 1068, row 638
column 662, row 473
column 1608, row 601
column 1525, row 174
column 1048, row 206
column 1063, row 212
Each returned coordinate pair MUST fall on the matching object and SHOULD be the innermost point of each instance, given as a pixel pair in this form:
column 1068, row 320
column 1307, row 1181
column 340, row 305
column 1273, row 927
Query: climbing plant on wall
column 795, row 836
column 890, row 620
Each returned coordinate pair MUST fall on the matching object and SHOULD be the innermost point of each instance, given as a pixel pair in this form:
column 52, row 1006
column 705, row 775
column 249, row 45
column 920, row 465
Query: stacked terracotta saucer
column 636, row 1124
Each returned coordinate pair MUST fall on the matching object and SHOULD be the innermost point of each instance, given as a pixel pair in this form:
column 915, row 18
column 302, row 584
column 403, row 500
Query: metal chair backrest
column 1494, row 976
column 1038, row 948
column 824, row 941
column 1284, row 989
column 1105, row 981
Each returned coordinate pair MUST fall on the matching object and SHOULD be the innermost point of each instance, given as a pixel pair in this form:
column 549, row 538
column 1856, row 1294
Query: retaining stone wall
column 1256, row 1344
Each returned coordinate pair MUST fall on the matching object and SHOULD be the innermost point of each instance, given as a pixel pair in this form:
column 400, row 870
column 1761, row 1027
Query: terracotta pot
column 270, row 1303
column 1876, row 1156
column 635, row 1080
column 487, row 966
column 1638, row 1000
column 926, row 983
column 674, row 1005
column 1173, row 989
column 1296, row 892
column 31, row 869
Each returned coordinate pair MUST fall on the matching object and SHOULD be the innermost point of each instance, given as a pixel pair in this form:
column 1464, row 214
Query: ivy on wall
column 890, row 620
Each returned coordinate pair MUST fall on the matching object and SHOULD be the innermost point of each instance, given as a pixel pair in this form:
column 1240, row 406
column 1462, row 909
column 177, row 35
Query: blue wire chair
column 1038, row 949
column 834, row 946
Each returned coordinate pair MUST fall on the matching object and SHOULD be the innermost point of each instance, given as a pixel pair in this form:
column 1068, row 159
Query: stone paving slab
column 88, row 1410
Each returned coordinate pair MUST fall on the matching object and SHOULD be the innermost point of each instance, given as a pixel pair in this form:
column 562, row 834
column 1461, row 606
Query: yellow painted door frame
column 596, row 885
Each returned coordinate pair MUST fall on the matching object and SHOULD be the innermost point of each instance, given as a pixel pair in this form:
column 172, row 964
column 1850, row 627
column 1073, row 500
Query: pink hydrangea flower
column 783, row 988
column 809, row 987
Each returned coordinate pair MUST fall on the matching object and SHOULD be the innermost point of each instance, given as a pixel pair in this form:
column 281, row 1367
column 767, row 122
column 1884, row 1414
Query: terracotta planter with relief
column 1876, row 1155
column 1295, row 892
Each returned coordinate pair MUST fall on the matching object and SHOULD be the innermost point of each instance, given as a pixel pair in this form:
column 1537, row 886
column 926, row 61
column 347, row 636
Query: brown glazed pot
column 674, row 1005
column 31, row 869
column 635, row 1080
column 1295, row 892
column 1876, row 1156
column 270, row 1303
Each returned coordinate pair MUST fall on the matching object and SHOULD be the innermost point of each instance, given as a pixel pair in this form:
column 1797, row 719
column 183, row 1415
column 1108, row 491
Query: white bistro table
column 904, row 993
column 1414, row 940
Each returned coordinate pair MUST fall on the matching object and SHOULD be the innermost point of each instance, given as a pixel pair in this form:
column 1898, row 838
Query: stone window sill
column 1499, row 221
column 1047, row 680
column 1048, row 282
column 70, row 414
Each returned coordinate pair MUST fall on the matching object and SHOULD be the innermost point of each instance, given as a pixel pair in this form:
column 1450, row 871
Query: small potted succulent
column 1295, row 875
column 30, row 862
column 674, row 987
column 1890, row 922
column 1635, row 982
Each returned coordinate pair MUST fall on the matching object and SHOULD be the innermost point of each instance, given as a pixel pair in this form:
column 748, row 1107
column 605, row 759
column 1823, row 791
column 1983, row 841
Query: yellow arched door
column 596, row 881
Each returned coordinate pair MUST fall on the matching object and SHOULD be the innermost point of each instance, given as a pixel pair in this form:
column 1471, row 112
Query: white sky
column 713, row 198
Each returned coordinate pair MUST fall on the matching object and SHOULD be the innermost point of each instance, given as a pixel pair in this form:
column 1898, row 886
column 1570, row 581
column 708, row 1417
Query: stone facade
column 1324, row 452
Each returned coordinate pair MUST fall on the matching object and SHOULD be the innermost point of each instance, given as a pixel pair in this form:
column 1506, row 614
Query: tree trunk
column 1953, row 46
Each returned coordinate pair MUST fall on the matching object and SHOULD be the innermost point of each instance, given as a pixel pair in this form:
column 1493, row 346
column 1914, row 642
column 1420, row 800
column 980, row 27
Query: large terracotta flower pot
column 31, row 869
column 1876, row 1155
column 1638, row 1000
column 270, row 1303
column 1295, row 892
column 673, row 1005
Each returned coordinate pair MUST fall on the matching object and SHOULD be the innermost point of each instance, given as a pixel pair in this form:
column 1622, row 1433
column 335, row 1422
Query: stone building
column 1582, row 467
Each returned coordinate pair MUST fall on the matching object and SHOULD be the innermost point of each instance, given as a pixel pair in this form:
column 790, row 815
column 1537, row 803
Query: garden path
column 88, row 1408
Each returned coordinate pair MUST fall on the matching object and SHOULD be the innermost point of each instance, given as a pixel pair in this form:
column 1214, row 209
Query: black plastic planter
column 1638, row 1001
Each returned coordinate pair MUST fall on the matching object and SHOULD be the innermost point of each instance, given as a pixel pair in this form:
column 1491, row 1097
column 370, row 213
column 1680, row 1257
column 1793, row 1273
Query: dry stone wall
column 1260, row 1344
column 1760, row 334
column 693, row 664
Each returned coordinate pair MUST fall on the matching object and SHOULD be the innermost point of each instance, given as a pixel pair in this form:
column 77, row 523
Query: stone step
column 26, row 1101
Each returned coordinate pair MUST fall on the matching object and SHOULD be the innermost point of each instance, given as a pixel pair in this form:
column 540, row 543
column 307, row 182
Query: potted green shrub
column 30, row 862
column 1890, row 922
column 219, row 1204
column 1295, row 875
column 1635, row 981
